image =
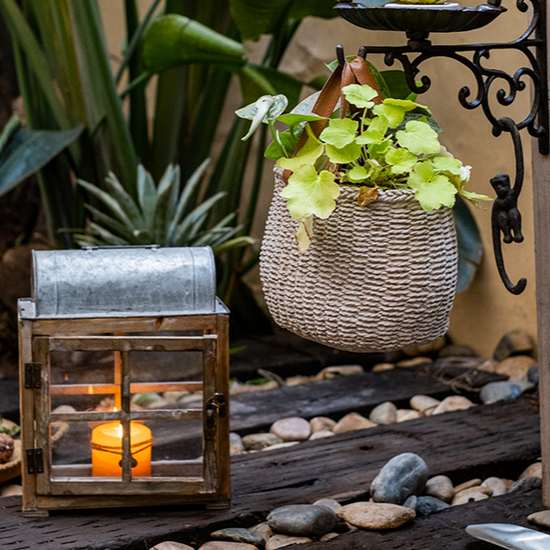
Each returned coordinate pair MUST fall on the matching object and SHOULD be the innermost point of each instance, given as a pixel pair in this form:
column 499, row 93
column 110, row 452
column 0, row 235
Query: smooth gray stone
column 428, row 505
column 237, row 534
column 526, row 484
column 499, row 391
column 404, row 475
column 533, row 375
column 302, row 520
column 411, row 502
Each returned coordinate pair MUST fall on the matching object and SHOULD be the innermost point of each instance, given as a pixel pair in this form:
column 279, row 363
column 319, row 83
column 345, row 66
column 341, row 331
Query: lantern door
column 127, row 415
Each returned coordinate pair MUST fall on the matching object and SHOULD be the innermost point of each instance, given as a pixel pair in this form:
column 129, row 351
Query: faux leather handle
column 356, row 71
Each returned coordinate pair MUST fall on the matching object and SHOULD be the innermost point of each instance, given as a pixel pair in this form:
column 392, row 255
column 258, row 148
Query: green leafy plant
column 161, row 214
column 382, row 145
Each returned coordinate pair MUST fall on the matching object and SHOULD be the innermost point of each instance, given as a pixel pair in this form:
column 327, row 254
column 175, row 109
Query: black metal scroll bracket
column 505, row 216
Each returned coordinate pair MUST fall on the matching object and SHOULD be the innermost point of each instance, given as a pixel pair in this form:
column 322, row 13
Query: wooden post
column 541, row 210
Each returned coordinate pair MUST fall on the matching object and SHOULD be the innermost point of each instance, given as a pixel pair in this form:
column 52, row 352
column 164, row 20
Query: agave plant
column 160, row 215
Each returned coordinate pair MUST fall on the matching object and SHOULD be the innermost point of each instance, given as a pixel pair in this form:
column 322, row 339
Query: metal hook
column 340, row 56
column 505, row 216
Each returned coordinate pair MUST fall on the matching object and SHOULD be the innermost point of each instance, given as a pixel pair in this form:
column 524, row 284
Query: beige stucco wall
column 486, row 311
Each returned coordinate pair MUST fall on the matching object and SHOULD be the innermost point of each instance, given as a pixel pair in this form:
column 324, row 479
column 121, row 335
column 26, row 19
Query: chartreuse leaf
column 360, row 95
column 311, row 193
column 378, row 149
column 375, row 132
column 357, row 174
column 431, row 190
column 308, row 154
column 408, row 105
column 393, row 113
column 474, row 197
column 418, row 138
column 304, row 235
column 401, row 160
column 343, row 155
column 447, row 164
column 340, row 132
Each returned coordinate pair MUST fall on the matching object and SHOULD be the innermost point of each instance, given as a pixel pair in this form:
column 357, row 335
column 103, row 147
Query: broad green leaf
column 393, row 113
column 418, row 117
column 172, row 40
column 289, row 143
column 401, row 160
column 470, row 245
column 377, row 150
column 357, row 174
column 447, row 164
column 408, row 105
column 309, row 193
column 28, row 151
column 295, row 118
column 257, row 80
column 256, row 17
column 340, row 132
column 418, row 138
column 343, row 155
column 397, row 84
column 271, row 106
column 304, row 235
column 265, row 108
column 375, row 132
column 360, row 95
column 474, row 197
column 308, row 154
column 432, row 191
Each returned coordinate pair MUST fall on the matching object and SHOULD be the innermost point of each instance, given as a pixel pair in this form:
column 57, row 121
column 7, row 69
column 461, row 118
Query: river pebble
column 402, row 415
column 496, row 485
column 238, row 534
column 329, row 503
column 226, row 545
column 453, row 403
column 236, row 445
column 352, row 421
column 321, row 424
column 321, row 435
column 404, row 475
column 342, row 370
column 476, row 482
column 385, row 413
column 526, row 484
column 427, row 505
column 257, row 442
column 169, row 545
column 376, row 515
column 422, row 403
column 278, row 541
column 500, row 391
column 535, row 470
column 291, row 429
column 440, row 487
column 302, row 520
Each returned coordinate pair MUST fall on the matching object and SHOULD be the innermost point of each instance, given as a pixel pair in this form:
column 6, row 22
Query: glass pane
column 71, row 450
column 166, row 379
column 83, row 380
column 177, row 448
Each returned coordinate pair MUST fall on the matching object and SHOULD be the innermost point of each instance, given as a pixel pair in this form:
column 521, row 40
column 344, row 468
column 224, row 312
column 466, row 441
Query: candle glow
column 106, row 447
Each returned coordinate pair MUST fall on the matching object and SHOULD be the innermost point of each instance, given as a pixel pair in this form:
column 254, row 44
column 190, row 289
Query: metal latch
column 32, row 376
column 215, row 407
column 35, row 461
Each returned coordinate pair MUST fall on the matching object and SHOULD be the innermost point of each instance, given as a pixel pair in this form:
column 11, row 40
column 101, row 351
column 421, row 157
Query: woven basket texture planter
column 375, row 279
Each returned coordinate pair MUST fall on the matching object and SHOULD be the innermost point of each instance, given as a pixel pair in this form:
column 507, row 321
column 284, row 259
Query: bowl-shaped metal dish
column 418, row 20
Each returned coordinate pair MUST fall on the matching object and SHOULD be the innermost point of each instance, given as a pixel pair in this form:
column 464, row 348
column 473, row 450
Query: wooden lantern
column 106, row 330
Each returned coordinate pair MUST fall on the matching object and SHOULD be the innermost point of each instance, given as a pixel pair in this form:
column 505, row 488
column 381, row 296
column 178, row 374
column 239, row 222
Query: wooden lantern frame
column 38, row 337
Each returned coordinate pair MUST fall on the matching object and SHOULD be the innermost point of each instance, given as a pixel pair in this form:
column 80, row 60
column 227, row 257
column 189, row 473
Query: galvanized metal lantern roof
column 122, row 282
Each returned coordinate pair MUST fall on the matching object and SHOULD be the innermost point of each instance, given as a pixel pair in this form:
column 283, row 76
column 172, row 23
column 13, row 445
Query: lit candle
column 107, row 450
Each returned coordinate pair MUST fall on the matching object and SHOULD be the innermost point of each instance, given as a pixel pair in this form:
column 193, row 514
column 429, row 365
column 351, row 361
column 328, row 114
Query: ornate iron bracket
column 505, row 218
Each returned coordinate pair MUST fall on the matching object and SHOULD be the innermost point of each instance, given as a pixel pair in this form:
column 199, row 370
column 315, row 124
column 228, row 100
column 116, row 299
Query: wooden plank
column 497, row 439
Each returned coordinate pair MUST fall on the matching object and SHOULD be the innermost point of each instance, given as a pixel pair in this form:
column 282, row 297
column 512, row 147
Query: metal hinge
column 215, row 407
column 32, row 376
column 35, row 461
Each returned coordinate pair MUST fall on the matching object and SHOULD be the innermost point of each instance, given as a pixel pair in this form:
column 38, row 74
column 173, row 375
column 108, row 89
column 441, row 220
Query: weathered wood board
column 491, row 440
